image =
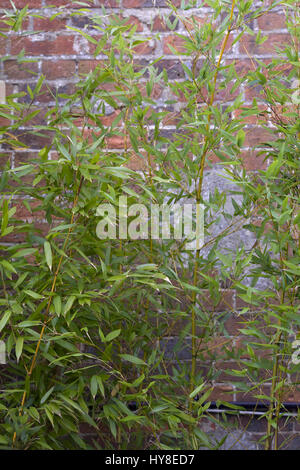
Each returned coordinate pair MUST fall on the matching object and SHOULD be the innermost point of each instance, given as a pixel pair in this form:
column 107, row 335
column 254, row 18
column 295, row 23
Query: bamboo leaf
column 48, row 254
column 6, row 316
column 19, row 347
column 133, row 359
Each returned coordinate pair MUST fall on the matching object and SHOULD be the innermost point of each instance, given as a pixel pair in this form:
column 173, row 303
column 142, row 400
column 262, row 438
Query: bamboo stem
column 46, row 319
column 198, row 198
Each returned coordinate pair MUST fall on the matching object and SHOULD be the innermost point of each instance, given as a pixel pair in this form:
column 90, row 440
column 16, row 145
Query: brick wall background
column 61, row 55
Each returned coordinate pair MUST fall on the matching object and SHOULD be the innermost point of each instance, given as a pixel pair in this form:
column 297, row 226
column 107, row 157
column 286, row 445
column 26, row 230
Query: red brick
column 22, row 158
column 222, row 392
column 23, row 213
column 256, row 136
column 133, row 3
column 233, row 324
column 5, row 27
column 15, row 71
column 109, row 3
column 39, row 119
column 226, row 94
column 254, row 92
column 45, row 47
column 139, row 163
column 89, row 123
column 171, row 119
column 216, row 347
column 240, row 304
column 244, row 396
column 45, row 24
column 21, row 3
column 35, row 141
column 193, row 21
column 67, row 89
column 14, row 237
column 224, row 304
column 149, row 3
column 108, row 120
column 4, row 157
column 59, row 3
column 159, row 24
column 242, row 66
column 224, row 371
column 252, row 161
column 4, row 122
column 253, row 118
column 271, row 21
column 93, row 47
column 176, row 42
column 280, row 114
column 145, row 48
column 133, row 20
column 3, row 46
column 58, row 69
column 155, row 94
column 116, row 142
column 105, row 120
column 211, row 158
column 86, row 66
column 47, row 93
column 292, row 394
column 248, row 44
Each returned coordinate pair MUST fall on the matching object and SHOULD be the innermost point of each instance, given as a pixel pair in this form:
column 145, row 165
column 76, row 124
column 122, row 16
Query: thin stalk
column 198, row 198
column 276, row 364
column 46, row 319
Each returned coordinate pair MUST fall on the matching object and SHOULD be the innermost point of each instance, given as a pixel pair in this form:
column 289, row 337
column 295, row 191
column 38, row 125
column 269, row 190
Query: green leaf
column 57, row 304
column 34, row 413
column 112, row 335
column 133, row 359
column 293, row 268
column 94, row 386
column 28, row 323
column 47, row 395
column 4, row 319
column 19, row 347
column 9, row 267
column 3, row 440
column 25, row 252
column 32, row 294
column 101, row 386
column 4, row 216
column 69, row 304
column 48, row 254
column 240, row 138
column 197, row 390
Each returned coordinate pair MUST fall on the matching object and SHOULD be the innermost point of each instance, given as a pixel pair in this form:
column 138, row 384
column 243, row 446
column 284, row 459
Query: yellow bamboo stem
column 33, row 362
column 198, row 197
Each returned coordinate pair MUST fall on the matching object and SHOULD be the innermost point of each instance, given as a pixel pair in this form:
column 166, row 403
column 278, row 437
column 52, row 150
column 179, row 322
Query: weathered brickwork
column 61, row 54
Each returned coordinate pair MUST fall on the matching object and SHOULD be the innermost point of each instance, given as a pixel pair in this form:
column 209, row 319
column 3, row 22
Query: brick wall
column 61, row 54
